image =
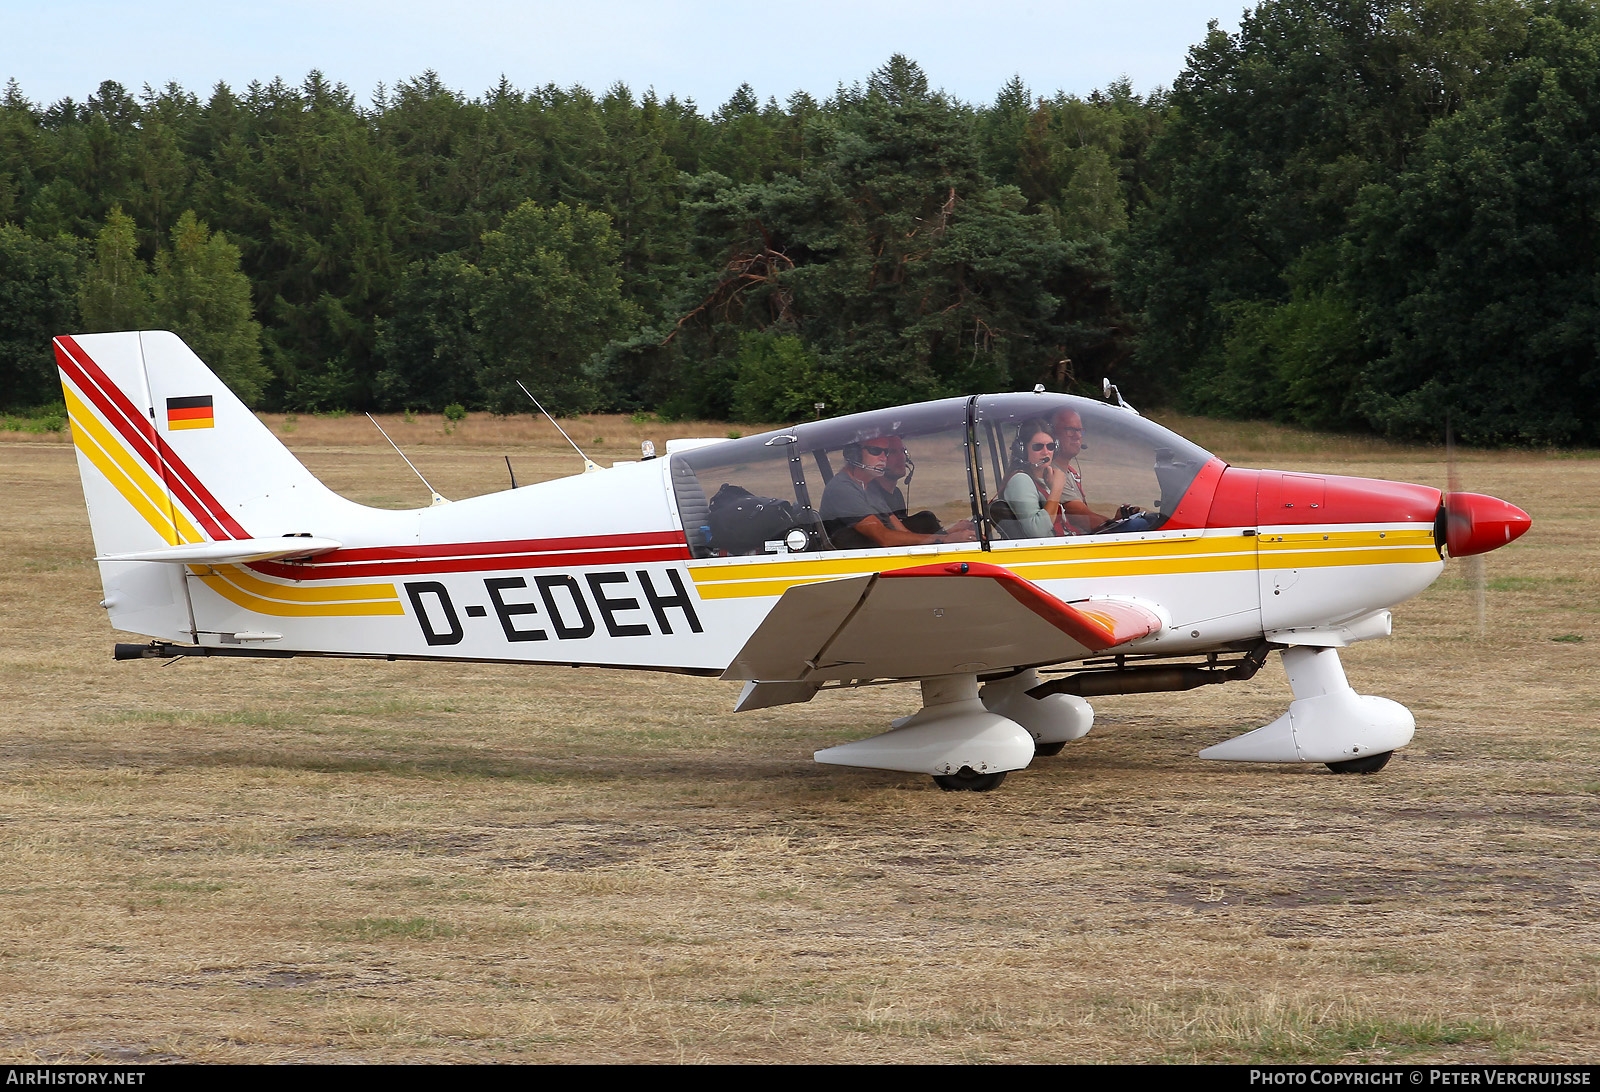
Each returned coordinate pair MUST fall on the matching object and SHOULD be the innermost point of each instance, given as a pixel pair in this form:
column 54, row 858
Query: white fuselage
column 593, row 569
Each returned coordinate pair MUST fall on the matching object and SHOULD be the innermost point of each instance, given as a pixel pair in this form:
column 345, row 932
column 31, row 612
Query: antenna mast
column 437, row 499
column 588, row 463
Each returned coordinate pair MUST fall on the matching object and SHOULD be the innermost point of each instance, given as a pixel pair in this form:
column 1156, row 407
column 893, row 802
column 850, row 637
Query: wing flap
column 944, row 619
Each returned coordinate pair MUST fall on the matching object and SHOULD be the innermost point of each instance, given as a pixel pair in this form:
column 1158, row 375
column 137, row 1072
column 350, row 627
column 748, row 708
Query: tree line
column 1362, row 214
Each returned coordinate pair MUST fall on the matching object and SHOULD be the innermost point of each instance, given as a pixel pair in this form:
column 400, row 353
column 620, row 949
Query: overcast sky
column 699, row 49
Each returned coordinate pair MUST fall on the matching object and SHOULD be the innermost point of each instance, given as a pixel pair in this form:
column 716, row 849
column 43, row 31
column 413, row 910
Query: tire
column 1365, row 764
column 967, row 780
column 1048, row 750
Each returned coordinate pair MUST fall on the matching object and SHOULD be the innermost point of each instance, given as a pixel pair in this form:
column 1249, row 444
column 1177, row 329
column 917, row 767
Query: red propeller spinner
column 1476, row 524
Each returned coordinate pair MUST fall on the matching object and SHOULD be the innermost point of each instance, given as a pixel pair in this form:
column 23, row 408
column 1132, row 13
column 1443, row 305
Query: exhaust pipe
column 1152, row 680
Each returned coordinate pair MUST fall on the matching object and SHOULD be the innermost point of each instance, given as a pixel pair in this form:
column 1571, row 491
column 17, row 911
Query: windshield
column 1054, row 465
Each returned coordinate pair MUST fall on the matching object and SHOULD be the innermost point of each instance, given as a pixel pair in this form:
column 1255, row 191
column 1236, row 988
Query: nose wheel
column 967, row 779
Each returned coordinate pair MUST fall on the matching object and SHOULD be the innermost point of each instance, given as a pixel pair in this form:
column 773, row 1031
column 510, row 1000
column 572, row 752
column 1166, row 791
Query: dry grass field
column 325, row 861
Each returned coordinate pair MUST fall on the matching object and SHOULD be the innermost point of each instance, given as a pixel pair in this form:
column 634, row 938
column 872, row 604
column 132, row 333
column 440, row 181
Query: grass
column 51, row 420
column 415, row 928
column 1301, row 1030
column 325, row 861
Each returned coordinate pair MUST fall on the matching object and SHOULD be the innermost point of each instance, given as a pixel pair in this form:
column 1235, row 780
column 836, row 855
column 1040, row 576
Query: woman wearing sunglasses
column 1031, row 497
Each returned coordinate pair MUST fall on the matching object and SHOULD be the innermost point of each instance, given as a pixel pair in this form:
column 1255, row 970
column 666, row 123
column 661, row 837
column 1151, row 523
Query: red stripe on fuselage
column 537, row 553
column 146, row 443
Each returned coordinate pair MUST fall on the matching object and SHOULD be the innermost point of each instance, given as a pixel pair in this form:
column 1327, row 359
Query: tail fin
column 169, row 458
column 153, row 426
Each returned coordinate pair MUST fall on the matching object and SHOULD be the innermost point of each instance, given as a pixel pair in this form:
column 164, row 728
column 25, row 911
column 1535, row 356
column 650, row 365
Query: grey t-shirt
column 1073, row 489
column 845, row 503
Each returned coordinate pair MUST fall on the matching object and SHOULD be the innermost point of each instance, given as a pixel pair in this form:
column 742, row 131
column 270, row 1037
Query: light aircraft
column 721, row 558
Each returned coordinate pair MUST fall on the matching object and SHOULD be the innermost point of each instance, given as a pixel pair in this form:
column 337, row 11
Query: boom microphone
column 852, row 457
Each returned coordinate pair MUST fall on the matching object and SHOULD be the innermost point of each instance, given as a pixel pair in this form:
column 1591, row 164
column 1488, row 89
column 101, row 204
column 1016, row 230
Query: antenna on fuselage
column 588, row 463
column 437, row 499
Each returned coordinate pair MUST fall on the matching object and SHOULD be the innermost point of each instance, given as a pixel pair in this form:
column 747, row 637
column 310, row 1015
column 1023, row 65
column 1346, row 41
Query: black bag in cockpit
column 743, row 523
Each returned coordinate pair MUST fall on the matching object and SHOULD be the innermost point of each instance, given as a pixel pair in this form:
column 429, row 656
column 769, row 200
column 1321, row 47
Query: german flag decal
column 194, row 412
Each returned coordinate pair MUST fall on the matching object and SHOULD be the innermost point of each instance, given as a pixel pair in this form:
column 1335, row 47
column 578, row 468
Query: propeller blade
column 1451, row 482
column 1478, row 578
column 1474, row 524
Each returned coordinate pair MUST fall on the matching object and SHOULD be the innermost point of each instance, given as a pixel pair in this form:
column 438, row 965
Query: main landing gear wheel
column 967, row 779
column 1367, row 764
column 1048, row 750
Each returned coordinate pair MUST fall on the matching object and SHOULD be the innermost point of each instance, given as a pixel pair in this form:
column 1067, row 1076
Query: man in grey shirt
column 1068, row 430
column 857, row 514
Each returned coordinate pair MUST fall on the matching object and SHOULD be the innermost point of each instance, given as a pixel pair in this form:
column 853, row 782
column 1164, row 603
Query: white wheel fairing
column 1054, row 718
column 952, row 731
column 1327, row 722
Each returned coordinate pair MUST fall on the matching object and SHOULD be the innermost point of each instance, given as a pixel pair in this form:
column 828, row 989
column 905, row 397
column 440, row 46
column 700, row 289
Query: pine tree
column 115, row 294
column 37, row 281
column 199, row 294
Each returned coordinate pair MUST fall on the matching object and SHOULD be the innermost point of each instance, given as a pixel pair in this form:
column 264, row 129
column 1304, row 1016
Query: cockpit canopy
column 941, row 463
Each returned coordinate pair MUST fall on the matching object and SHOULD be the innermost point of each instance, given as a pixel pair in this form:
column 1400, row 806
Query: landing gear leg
column 1327, row 722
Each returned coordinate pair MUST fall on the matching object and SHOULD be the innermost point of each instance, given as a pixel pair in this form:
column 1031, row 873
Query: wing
column 946, row 619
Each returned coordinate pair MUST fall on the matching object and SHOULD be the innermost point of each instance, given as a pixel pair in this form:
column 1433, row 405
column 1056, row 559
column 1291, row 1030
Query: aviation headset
column 851, row 453
column 1025, row 434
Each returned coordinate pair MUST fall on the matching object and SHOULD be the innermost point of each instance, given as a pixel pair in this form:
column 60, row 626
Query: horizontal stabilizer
column 236, row 551
column 917, row 623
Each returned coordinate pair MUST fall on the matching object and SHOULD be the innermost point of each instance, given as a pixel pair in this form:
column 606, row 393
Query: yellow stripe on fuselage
column 288, row 601
column 296, row 593
column 1089, row 559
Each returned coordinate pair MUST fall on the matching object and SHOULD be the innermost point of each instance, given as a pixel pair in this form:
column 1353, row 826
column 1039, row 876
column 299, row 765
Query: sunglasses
column 1045, row 447
column 875, row 450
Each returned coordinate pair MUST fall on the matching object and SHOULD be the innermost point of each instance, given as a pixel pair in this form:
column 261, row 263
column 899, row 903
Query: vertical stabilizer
column 183, row 460
column 169, row 456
